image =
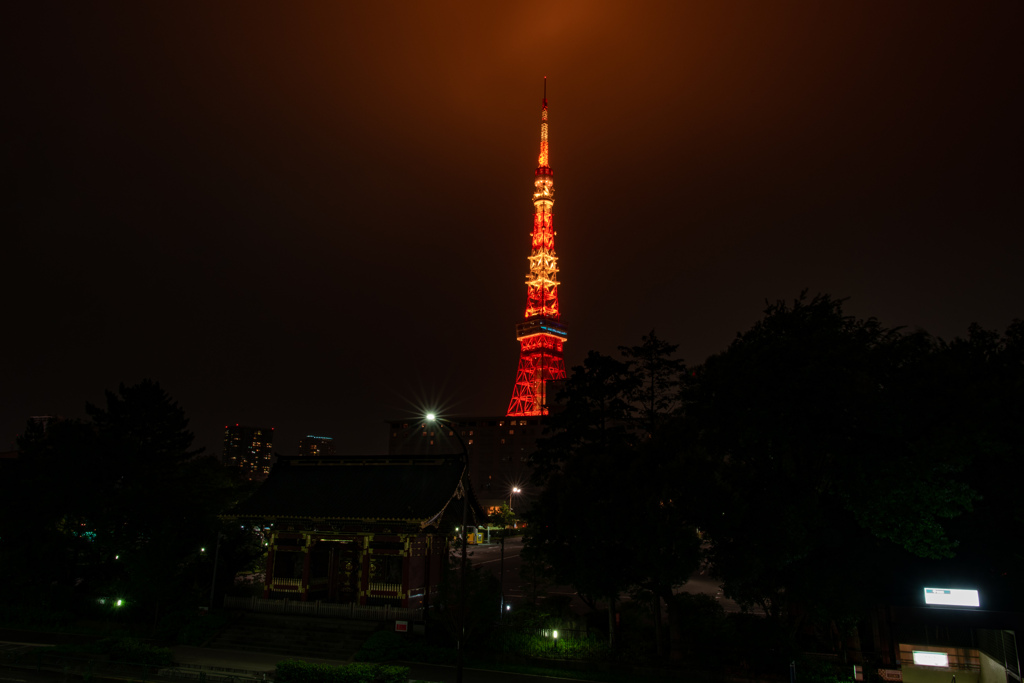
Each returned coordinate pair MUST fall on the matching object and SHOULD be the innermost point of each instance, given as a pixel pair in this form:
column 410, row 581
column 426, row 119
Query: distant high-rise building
column 316, row 445
column 249, row 449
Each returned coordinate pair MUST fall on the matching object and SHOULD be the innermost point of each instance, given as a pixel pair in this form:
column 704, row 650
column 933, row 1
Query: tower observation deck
column 541, row 335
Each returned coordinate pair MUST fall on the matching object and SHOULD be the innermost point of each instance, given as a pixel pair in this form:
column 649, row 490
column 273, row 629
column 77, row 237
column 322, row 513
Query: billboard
column 922, row 658
column 951, row 597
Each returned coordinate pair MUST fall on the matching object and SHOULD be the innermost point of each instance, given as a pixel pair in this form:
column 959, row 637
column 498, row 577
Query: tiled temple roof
column 373, row 488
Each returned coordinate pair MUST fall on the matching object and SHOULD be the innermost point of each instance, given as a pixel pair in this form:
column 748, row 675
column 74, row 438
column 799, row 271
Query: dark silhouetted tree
column 121, row 505
column 592, row 414
column 606, row 522
column 657, row 381
column 819, row 429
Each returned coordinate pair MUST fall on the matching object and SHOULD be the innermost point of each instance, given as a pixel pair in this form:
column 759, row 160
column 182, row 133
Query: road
column 489, row 557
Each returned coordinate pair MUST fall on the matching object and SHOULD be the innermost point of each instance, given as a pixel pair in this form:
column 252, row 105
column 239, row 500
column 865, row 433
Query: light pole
column 501, row 570
column 213, row 581
column 465, row 536
column 516, row 490
column 501, row 578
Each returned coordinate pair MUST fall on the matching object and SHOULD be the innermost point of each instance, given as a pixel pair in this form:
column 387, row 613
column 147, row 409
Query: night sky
column 316, row 216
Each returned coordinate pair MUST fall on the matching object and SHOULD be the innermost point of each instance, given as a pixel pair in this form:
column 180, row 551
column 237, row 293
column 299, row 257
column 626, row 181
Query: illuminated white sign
column 951, row 596
column 930, row 658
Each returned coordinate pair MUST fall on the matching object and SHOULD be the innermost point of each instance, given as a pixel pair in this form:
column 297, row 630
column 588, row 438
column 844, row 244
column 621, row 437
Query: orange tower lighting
column 541, row 336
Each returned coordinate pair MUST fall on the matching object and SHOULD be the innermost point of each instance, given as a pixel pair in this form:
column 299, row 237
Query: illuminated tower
column 541, row 335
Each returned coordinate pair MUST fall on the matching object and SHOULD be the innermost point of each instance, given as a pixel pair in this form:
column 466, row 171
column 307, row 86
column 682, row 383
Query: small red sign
column 402, row 626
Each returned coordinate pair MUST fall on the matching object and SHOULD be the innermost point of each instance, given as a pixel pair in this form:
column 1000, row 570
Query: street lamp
column 465, row 536
column 515, row 489
column 501, row 570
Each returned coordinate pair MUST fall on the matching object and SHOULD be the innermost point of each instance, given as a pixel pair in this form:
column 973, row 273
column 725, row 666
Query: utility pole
column 464, row 491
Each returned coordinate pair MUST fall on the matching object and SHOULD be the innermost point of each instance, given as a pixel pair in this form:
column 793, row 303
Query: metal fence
column 316, row 608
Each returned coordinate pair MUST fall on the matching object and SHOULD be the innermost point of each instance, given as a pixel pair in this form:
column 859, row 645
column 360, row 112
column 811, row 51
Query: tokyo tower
column 541, row 335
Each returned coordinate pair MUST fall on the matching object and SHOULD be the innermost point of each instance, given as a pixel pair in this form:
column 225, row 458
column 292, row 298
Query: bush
column 382, row 646
column 758, row 643
column 35, row 617
column 247, row 587
column 554, row 611
column 700, row 627
column 134, row 651
column 818, row 671
column 386, row 646
column 297, row 671
column 76, row 649
column 68, row 650
column 200, row 628
column 189, row 627
column 529, row 616
column 540, row 643
column 126, row 650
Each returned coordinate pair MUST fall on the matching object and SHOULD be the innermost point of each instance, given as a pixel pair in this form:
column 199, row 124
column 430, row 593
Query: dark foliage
column 134, row 651
column 830, row 441
column 700, row 630
column 388, row 646
column 297, row 671
column 594, row 414
column 471, row 600
column 814, row 445
column 125, row 649
column 117, row 508
column 610, row 519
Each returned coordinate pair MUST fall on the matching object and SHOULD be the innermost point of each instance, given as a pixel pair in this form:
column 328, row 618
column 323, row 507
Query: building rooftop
column 372, row 488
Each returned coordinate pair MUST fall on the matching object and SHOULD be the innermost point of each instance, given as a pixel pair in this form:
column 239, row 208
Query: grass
column 586, row 674
column 385, row 646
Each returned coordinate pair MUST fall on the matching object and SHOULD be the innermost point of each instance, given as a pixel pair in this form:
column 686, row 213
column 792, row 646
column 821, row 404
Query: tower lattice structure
column 541, row 335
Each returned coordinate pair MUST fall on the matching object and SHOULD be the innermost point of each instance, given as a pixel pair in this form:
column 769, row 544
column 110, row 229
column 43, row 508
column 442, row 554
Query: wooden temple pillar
column 306, row 556
column 268, row 577
column 426, row 573
column 332, row 573
column 406, row 573
column 364, row 572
